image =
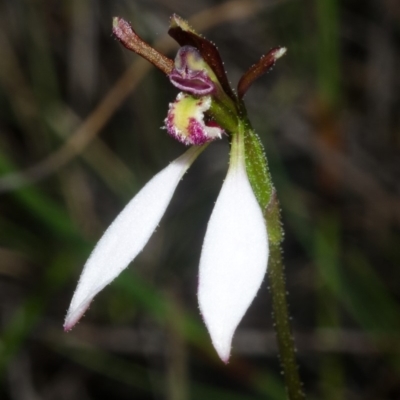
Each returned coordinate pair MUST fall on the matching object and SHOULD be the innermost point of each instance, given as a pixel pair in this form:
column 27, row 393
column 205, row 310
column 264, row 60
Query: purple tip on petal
column 225, row 359
column 73, row 318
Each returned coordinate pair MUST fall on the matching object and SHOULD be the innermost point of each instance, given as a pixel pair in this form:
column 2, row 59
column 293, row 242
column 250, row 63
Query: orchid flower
column 235, row 251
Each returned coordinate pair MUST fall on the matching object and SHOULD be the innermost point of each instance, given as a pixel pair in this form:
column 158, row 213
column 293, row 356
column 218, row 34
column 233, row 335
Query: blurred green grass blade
column 109, row 366
column 41, row 206
column 326, row 256
column 201, row 392
column 27, row 315
column 41, row 64
column 16, row 236
column 360, row 289
column 191, row 328
column 138, row 377
column 328, row 50
column 269, row 384
column 375, row 306
column 332, row 377
column 356, row 288
column 159, row 305
column 327, row 261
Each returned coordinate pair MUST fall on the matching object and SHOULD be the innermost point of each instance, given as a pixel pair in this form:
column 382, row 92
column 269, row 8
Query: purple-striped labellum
column 191, row 74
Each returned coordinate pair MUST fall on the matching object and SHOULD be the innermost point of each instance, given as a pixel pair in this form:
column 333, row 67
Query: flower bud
column 185, row 120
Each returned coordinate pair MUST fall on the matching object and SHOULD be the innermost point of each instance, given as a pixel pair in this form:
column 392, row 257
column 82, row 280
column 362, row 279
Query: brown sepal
column 123, row 31
column 261, row 67
column 186, row 36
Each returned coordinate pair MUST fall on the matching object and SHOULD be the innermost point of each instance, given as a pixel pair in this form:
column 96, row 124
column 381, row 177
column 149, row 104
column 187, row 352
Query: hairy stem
column 260, row 179
column 284, row 335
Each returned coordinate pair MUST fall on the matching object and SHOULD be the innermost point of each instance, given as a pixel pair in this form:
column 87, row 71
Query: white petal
column 234, row 256
column 128, row 234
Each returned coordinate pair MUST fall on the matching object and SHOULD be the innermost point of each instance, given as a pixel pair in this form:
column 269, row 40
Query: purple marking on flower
column 212, row 124
column 190, row 72
column 176, row 133
column 185, row 121
column 197, row 83
column 197, row 132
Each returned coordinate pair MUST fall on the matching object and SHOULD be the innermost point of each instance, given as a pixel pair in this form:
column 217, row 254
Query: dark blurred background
column 80, row 120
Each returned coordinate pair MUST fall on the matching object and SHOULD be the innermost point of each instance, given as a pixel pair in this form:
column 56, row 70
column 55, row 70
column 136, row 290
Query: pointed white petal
column 234, row 256
column 127, row 235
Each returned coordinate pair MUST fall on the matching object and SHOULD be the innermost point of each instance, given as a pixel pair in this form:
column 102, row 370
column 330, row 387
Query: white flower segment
column 127, row 235
column 234, row 256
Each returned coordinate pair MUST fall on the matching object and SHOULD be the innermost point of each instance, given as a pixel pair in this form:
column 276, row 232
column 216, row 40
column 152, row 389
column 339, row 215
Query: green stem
column 260, row 180
column 283, row 331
